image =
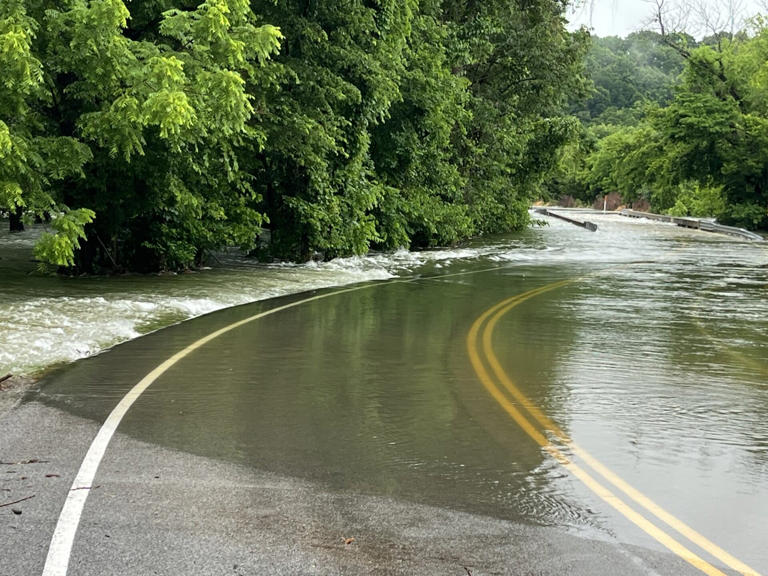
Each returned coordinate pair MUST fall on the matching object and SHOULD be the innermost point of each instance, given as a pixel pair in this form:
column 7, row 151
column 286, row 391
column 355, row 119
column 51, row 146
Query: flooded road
column 47, row 319
column 653, row 358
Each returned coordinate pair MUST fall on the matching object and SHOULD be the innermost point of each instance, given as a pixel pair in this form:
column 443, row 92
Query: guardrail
column 696, row 224
column 591, row 226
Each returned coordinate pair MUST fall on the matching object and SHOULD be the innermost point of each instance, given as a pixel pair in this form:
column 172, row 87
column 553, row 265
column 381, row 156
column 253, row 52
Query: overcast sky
column 622, row 17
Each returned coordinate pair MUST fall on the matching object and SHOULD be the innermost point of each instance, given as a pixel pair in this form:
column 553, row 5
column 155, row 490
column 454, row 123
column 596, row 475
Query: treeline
column 675, row 125
column 148, row 134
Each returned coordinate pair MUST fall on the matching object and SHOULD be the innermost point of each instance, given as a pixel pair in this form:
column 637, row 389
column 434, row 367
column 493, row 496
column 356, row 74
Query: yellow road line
column 581, row 474
column 495, row 313
column 595, row 464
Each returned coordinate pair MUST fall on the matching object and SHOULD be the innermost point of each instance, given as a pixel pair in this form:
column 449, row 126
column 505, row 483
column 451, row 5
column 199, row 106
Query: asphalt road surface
column 325, row 433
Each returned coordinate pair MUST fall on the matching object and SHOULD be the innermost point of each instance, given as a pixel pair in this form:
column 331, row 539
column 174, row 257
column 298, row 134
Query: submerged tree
column 416, row 150
column 35, row 157
column 403, row 123
column 522, row 68
column 337, row 78
column 163, row 104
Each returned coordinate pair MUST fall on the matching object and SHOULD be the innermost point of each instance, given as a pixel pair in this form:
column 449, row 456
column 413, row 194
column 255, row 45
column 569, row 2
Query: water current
column 47, row 319
column 654, row 358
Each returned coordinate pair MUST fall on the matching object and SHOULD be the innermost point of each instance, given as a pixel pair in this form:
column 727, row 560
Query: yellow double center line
column 527, row 415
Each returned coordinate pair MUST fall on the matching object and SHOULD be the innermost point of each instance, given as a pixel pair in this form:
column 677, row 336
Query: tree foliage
column 628, row 72
column 521, row 70
column 147, row 134
column 627, row 76
column 33, row 159
column 698, row 149
column 123, row 130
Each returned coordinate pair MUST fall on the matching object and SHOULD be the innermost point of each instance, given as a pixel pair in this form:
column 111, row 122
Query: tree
column 415, row 149
column 148, row 138
column 627, row 72
column 143, row 122
column 32, row 159
column 397, row 124
column 707, row 149
column 521, row 65
column 629, row 77
column 338, row 76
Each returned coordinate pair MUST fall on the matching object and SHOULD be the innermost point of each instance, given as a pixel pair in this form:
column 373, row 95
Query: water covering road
column 654, row 359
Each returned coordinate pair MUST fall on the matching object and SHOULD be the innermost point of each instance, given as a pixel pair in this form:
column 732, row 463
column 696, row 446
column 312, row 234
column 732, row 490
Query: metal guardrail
column 591, row 226
column 696, row 224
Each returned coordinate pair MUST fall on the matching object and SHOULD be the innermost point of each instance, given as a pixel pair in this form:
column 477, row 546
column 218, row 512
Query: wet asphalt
column 157, row 511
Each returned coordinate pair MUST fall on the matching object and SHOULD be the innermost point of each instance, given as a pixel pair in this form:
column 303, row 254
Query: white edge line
column 60, row 549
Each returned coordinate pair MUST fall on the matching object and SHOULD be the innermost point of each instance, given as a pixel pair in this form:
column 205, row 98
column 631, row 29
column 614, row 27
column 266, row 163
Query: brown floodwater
column 654, row 359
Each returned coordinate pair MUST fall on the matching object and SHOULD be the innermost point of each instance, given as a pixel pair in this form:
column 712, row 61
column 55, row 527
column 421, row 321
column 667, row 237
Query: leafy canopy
column 148, row 134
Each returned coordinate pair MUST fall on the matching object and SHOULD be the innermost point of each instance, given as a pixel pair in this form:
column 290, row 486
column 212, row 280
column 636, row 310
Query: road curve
column 147, row 507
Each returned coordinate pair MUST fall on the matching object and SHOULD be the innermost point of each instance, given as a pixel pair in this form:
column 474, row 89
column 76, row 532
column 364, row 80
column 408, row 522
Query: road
column 417, row 426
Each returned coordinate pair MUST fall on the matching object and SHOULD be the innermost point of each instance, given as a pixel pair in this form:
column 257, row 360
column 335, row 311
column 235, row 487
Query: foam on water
column 48, row 326
column 47, row 320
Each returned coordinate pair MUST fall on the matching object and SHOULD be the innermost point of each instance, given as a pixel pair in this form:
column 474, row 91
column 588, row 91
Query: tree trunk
column 16, row 224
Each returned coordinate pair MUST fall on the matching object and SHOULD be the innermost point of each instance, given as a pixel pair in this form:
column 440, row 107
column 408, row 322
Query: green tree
column 142, row 127
column 34, row 159
column 629, row 71
column 145, row 138
column 397, row 124
column 522, row 65
column 713, row 135
column 338, row 76
column 414, row 150
column 705, row 150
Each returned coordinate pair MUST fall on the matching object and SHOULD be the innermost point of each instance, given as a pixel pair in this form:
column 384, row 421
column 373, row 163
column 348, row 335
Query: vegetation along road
column 574, row 406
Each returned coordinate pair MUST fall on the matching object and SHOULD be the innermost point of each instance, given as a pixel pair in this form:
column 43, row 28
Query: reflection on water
column 654, row 361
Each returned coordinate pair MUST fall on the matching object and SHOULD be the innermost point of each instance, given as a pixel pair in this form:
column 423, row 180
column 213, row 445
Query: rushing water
column 655, row 359
column 47, row 319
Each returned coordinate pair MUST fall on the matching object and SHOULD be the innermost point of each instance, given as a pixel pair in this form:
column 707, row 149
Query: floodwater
column 654, row 359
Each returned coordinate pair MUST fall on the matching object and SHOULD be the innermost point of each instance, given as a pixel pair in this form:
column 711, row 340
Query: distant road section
column 696, row 224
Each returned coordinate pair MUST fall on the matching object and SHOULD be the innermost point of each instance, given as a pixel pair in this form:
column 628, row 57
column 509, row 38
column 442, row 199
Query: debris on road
column 16, row 502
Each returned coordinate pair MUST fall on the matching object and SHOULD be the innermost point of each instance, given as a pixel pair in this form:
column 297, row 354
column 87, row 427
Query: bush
column 699, row 201
column 748, row 215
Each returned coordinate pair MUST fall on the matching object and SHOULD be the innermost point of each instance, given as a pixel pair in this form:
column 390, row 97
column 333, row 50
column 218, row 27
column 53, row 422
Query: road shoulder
column 156, row 510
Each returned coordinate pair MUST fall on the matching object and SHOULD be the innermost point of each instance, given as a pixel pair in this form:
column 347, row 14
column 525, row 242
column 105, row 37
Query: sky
column 622, row 17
